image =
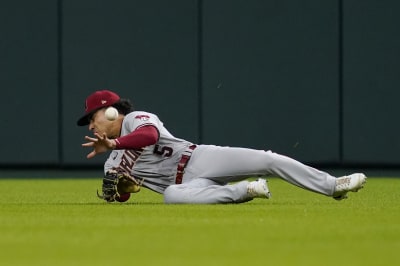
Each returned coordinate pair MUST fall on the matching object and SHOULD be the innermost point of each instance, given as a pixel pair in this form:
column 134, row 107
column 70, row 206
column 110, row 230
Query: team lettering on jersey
column 129, row 158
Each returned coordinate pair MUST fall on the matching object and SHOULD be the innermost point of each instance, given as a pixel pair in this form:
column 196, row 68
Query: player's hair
column 124, row 106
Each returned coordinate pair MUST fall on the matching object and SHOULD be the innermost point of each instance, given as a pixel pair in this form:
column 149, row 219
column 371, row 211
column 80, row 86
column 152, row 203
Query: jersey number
column 163, row 151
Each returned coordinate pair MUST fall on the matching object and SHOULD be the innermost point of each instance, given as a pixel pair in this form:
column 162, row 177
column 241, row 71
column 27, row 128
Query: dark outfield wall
column 315, row 80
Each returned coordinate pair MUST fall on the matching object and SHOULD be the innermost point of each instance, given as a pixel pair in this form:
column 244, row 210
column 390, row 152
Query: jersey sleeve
column 139, row 138
column 135, row 120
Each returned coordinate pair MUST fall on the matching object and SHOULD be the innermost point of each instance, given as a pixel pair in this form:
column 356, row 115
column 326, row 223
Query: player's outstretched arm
column 137, row 139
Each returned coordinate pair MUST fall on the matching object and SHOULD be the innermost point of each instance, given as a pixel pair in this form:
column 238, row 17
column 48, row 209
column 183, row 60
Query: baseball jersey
column 156, row 164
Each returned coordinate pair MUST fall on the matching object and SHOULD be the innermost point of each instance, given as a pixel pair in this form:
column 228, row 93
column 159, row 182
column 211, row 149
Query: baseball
column 111, row 113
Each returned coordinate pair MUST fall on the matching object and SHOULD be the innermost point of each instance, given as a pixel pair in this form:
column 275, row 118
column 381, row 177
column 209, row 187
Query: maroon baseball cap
column 95, row 101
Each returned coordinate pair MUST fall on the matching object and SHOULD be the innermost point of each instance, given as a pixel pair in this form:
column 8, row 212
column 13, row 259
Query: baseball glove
column 117, row 183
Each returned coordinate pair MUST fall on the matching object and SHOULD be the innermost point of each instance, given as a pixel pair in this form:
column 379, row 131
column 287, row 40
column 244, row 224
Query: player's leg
column 226, row 164
column 202, row 190
column 205, row 191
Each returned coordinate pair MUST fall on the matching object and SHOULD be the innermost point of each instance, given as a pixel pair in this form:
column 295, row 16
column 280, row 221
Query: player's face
column 100, row 124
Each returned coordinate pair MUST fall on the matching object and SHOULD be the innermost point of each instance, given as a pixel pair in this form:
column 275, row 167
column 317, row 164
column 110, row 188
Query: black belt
column 182, row 164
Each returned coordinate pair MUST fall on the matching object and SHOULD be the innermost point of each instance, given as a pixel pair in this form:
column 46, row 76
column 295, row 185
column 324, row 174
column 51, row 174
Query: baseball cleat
column 258, row 189
column 352, row 183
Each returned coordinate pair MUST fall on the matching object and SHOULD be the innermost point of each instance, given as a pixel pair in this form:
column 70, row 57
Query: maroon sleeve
column 139, row 138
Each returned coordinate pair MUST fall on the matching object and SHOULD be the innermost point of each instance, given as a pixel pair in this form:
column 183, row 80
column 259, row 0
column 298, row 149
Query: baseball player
column 142, row 148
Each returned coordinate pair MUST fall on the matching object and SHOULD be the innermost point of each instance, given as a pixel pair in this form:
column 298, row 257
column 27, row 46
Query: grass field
column 61, row 222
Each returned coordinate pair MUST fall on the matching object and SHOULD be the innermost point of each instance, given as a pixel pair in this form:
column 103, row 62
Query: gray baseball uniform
column 209, row 168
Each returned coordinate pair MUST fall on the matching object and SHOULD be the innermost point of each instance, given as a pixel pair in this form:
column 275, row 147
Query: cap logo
column 103, row 101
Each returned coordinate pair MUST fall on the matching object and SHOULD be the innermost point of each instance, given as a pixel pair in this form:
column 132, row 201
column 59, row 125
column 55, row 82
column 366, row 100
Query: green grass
column 61, row 222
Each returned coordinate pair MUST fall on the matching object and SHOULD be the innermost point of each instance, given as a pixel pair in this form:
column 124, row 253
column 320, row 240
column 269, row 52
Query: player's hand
column 100, row 144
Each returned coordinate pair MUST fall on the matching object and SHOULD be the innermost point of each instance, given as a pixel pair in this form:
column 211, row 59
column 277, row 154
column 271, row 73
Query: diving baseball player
column 143, row 149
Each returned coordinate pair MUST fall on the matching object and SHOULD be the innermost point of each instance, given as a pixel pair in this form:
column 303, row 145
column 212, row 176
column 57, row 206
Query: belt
column 182, row 164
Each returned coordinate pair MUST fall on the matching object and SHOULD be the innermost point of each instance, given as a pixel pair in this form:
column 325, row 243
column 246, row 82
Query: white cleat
column 352, row 183
column 258, row 189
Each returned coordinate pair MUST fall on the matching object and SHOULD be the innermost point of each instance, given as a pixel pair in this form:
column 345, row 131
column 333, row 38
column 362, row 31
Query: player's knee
column 271, row 158
column 171, row 194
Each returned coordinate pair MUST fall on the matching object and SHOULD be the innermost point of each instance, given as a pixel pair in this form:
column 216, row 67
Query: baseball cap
column 95, row 101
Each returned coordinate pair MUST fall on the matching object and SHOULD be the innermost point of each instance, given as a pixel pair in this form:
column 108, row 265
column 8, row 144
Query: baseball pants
column 211, row 169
